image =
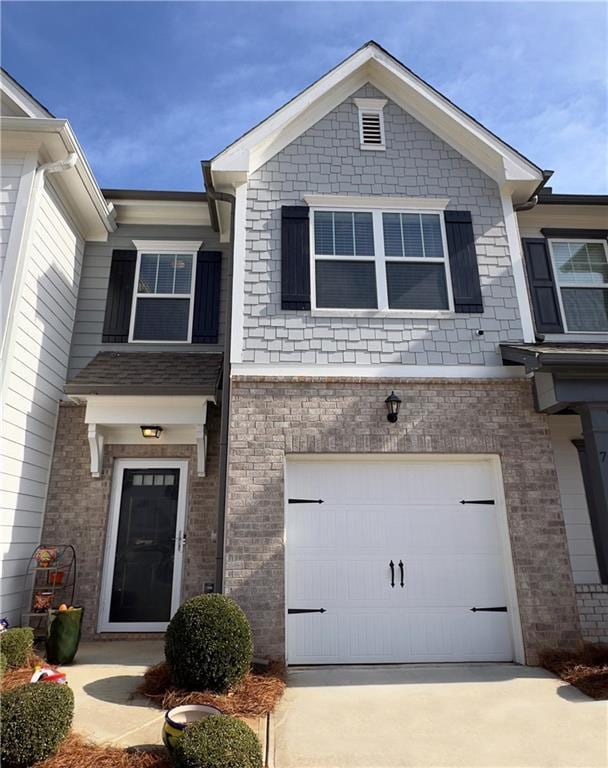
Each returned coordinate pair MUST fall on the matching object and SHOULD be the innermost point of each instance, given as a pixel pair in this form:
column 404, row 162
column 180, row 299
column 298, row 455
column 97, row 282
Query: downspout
column 223, row 197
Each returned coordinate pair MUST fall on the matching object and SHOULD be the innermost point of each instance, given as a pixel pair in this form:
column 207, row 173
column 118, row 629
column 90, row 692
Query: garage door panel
column 314, row 638
column 338, row 553
column 315, row 581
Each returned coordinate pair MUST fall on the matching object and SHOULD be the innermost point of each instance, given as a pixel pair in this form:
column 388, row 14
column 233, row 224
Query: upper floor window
column 380, row 260
column 371, row 123
column 581, row 270
column 163, row 299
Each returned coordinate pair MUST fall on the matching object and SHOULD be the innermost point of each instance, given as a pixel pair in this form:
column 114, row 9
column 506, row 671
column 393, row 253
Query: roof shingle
column 148, row 373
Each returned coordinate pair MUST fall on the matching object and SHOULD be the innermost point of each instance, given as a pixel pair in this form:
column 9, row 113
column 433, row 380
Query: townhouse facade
column 360, row 385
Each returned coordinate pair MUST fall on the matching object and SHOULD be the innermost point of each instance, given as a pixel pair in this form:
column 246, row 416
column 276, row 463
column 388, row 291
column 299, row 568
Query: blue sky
column 152, row 88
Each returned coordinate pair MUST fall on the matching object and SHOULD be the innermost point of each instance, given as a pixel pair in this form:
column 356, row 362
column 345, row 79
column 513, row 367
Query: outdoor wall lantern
column 393, row 404
column 151, row 432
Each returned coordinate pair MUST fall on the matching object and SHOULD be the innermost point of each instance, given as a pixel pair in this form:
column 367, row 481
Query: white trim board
column 381, row 202
column 296, row 370
column 104, row 624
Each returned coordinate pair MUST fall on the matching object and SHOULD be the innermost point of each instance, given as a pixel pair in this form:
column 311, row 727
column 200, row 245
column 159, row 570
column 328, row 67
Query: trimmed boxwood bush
column 208, row 644
column 17, row 644
column 218, row 741
column 35, row 720
column 3, row 663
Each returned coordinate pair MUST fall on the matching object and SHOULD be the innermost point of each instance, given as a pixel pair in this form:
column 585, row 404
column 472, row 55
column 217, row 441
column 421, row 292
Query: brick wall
column 273, row 417
column 77, row 505
column 592, row 602
column 327, row 159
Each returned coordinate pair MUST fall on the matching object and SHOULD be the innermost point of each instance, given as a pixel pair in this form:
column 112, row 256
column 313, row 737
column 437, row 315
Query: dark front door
column 142, row 582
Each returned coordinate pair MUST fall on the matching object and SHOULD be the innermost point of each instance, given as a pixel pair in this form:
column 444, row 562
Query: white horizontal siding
column 36, row 374
column 11, row 168
column 564, row 429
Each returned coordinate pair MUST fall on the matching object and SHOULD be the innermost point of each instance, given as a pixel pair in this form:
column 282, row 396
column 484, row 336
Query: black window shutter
column 295, row 257
column 463, row 262
column 206, row 320
column 542, row 286
column 120, row 295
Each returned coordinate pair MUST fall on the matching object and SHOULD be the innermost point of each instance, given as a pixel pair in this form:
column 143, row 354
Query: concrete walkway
column 439, row 716
column 104, row 677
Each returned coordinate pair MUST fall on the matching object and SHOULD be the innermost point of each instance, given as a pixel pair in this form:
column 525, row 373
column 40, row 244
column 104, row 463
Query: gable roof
column 19, row 99
column 373, row 64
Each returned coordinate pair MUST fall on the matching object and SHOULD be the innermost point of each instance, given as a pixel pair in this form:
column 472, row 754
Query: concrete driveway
column 474, row 715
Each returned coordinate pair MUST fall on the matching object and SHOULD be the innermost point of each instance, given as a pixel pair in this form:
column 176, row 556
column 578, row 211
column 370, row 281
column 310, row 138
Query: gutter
column 215, row 197
column 533, row 201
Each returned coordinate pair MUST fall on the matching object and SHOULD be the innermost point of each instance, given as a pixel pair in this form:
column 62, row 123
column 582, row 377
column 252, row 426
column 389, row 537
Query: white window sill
column 380, row 147
column 431, row 314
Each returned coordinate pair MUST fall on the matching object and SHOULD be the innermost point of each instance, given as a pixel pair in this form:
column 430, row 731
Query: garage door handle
column 391, row 565
column 402, row 573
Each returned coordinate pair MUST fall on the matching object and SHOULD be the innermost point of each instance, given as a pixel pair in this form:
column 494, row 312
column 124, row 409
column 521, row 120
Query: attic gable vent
column 371, row 123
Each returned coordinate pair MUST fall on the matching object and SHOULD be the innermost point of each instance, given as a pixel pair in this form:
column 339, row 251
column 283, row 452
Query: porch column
column 594, row 419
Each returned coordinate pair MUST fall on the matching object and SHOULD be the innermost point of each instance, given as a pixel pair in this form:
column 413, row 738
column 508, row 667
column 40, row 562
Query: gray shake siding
column 327, row 159
column 90, row 311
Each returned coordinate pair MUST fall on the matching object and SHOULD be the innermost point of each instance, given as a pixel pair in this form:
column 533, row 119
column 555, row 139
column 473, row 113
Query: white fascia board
column 288, row 112
column 375, row 201
column 21, row 98
column 171, row 212
column 56, row 140
column 298, row 371
column 460, row 131
column 522, row 168
column 107, row 410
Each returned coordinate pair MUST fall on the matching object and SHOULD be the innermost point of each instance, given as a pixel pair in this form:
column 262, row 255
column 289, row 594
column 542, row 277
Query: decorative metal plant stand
column 48, row 586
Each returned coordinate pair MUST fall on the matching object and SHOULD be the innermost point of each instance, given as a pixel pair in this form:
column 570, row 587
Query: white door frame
column 501, row 507
column 104, row 624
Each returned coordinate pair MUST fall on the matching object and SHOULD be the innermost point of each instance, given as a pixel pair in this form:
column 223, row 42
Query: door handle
column 392, row 567
column 181, row 540
column 402, row 573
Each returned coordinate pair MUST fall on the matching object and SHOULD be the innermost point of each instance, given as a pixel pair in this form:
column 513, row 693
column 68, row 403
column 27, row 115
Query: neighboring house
column 49, row 205
column 368, row 237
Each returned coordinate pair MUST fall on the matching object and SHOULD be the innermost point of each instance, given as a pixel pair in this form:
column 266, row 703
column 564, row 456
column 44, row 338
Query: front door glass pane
column 143, row 566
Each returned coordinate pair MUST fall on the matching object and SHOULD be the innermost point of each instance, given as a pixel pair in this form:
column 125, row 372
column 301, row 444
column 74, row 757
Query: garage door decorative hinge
column 478, row 501
column 495, row 609
column 306, row 610
column 305, row 501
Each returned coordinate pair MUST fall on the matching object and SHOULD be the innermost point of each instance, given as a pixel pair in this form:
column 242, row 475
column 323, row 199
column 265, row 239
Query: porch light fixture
column 151, row 433
column 393, row 403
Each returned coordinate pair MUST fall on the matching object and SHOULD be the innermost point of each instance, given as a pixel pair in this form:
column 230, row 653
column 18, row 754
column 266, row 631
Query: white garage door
column 389, row 567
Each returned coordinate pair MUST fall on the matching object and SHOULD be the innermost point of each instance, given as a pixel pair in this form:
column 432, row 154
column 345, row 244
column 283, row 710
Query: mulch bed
column 76, row 752
column 585, row 668
column 15, row 677
column 257, row 695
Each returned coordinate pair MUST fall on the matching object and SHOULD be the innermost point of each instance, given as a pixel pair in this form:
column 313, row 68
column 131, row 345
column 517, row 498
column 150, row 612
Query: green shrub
column 208, row 644
column 17, row 644
column 218, row 741
column 3, row 663
column 35, row 720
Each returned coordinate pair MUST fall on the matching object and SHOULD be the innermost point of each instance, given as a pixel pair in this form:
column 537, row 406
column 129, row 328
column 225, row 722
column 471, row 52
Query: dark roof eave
column 153, row 194
column 534, row 361
column 563, row 199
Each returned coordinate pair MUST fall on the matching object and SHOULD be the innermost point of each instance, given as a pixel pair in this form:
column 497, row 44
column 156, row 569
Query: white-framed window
column 379, row 261
column 163, row 294
column 371, row 123
column 581, row 274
